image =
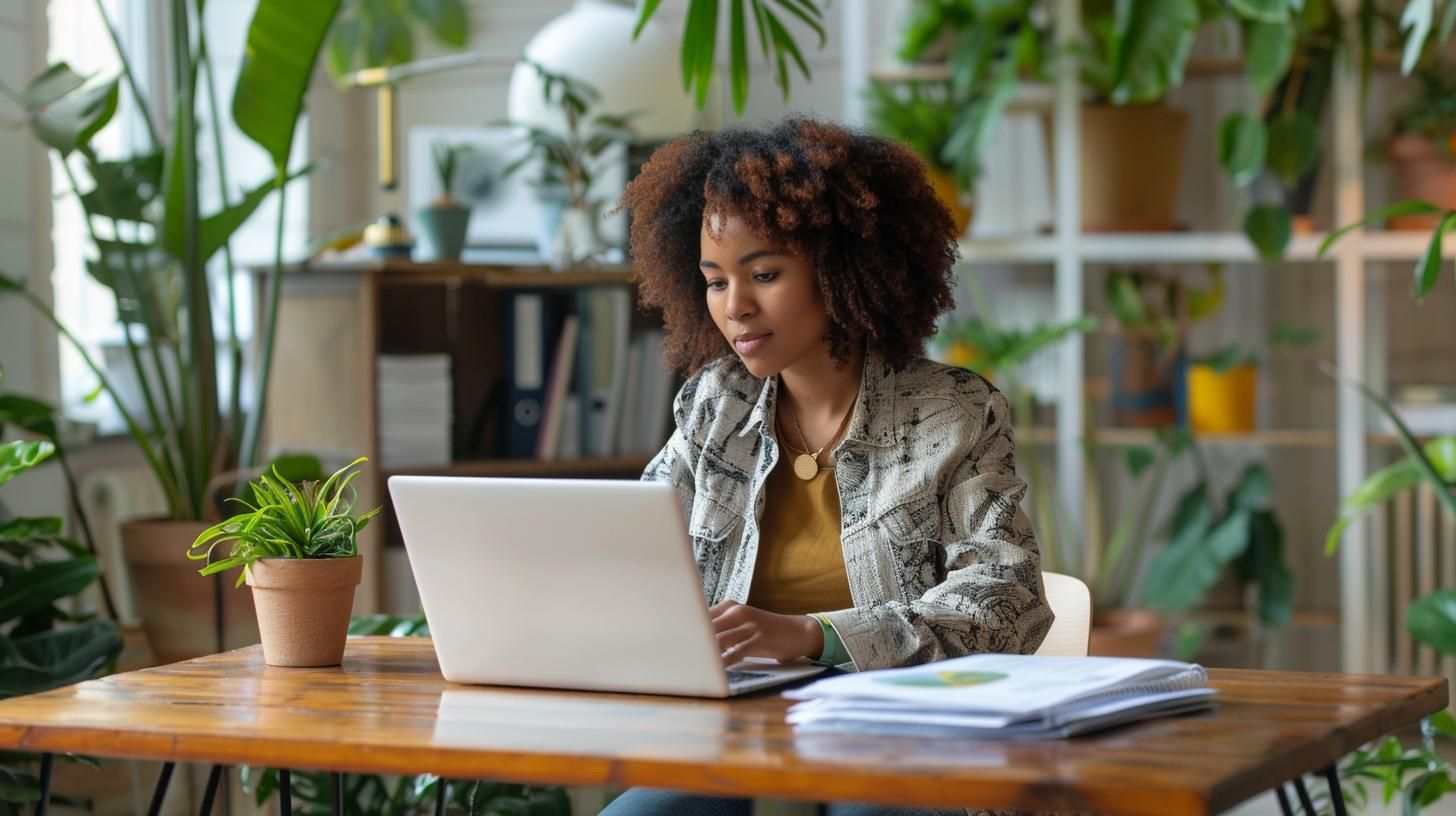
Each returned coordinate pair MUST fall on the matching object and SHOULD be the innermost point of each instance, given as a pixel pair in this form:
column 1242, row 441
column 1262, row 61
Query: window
column 85, row 306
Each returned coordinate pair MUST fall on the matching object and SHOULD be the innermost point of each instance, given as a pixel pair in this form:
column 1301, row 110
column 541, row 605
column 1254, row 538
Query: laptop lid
column 559, row 583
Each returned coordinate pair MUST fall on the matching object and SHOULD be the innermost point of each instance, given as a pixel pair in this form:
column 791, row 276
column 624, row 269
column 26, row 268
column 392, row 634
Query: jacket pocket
column 714, row 529
column 909, row 534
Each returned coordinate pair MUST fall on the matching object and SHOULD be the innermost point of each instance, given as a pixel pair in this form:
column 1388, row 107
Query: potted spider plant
column 298, row 548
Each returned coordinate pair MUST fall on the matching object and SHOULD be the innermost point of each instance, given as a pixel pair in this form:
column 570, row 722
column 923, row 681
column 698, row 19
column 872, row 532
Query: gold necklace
column 806, row 464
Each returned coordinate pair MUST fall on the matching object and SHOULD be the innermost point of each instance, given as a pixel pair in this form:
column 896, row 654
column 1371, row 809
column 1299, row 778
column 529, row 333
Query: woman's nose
column 740, row 302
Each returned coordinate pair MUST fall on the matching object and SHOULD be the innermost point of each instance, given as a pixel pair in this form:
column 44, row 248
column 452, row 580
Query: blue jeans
column 652, row 802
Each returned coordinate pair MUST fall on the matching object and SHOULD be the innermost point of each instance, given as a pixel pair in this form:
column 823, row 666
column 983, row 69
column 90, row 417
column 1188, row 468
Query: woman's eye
column 765, row 277
column 716, row 284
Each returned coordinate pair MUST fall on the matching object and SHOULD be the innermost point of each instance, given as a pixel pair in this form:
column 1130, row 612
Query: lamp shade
column 593, row 42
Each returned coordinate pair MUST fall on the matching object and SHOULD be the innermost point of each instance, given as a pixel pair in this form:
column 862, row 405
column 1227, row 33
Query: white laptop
column 565, row 583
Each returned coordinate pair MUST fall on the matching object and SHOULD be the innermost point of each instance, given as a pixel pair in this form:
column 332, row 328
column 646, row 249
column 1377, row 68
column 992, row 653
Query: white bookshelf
column 1362, row 604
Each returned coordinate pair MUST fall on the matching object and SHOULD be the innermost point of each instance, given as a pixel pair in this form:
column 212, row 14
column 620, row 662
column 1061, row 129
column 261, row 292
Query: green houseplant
column 46, row 641
column 297, row 545
column 443, row 223
column 986, row 48
column 1132, row 145
column 152, row 243
column 569, row 161
column 1422, row 145
column 921, row 115
column 775, row 40
column 380, row 33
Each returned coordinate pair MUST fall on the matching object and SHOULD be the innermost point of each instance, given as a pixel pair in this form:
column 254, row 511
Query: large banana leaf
column 1150, row 46
column 283, row 43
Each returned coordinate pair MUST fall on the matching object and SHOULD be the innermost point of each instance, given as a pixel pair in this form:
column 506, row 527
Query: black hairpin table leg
column 163, row 780
column 47, row 765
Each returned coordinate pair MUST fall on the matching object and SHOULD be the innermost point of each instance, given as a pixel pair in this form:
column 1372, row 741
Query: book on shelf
column 1001, row 696
column 415, row 395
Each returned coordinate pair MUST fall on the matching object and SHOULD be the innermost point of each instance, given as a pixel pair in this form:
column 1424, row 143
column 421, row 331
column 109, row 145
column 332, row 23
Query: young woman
column 849, row 501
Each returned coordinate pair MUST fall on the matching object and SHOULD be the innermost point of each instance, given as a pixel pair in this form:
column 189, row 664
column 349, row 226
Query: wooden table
column 387, row 710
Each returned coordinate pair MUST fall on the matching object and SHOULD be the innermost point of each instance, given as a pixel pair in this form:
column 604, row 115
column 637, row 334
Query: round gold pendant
column 805, row 467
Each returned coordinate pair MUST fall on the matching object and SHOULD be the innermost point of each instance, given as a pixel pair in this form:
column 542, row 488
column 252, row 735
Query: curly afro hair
column 857, row 207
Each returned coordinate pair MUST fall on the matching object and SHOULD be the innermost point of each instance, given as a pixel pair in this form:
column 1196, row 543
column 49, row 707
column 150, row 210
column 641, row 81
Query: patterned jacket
column 940, row 557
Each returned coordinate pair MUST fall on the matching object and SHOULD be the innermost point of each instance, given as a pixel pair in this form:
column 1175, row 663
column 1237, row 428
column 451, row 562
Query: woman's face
column 764, row 300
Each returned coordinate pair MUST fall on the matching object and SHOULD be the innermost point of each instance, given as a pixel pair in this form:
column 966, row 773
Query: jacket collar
column 875, row 407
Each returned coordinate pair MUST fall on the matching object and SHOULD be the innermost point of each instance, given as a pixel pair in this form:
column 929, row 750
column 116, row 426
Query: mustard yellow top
column 800, row 564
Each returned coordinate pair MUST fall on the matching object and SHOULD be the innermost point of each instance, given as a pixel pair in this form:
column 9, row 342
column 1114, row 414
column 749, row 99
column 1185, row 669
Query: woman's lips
column 748, row 343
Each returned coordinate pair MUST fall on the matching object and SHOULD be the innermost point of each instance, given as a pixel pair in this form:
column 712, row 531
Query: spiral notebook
column 1003, row 696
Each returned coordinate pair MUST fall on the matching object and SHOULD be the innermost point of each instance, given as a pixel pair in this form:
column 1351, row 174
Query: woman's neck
column 820, row 393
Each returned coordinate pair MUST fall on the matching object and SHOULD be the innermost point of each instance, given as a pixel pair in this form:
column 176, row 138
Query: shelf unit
column 332, row 325
column 1363, row 607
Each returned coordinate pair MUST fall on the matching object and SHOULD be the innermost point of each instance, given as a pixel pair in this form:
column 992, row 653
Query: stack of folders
column 1000, row 696
column 414, row 409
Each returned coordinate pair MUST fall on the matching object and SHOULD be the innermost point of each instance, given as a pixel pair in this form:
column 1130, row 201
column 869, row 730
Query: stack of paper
column 1003, row 696
column 414, row 410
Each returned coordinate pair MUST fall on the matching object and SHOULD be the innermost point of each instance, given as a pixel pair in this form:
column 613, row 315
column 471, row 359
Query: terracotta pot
column 1125, row 633
column 303, row 608
column 1423, row 171
column 178, row 607
column 1132, row 167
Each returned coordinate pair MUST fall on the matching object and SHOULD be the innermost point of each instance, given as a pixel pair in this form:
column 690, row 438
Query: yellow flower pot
column 1222, row 401
column 950, row 194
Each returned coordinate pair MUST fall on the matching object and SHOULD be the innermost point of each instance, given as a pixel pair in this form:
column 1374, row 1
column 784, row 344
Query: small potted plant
column 443, row 223
column 1223, row 387
column 1422, row 149
column 298, row 547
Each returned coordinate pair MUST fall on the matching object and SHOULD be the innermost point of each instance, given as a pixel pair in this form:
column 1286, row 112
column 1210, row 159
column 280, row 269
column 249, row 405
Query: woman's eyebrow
column 752, row 256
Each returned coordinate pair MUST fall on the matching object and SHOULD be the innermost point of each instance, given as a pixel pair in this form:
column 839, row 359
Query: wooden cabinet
column 336, row 319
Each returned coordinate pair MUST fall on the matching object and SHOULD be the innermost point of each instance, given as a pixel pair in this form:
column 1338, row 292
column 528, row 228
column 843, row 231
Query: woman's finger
column 729, row 637
column 741, row 649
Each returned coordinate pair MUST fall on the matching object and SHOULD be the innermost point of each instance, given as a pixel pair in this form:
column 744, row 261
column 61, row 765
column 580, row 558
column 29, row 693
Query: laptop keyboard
column 740, row 676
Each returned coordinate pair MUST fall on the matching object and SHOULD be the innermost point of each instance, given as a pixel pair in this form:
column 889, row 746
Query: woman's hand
column 745, row 631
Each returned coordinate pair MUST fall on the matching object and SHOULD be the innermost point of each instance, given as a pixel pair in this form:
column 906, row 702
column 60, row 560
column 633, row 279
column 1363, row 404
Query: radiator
column 1414, row 546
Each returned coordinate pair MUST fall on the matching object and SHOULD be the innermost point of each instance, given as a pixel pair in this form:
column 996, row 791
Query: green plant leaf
column 1225, row 358
column 446, row 19
column 1182, row 572
column 283, row 44
column 1268, row 570
column 1431, row 619
column 28, row 590
column 1151, row 44
column 1287, row 335
column 59, row 657
column 645, row 10
column 739, row 44
column 20, row 456
column 1408, row 207
column 64, row 111
column 1253, row 488
column 1268, row 11
column 1293, row 145
column 30, row 415
column 1268, row 228
column 216, row 229
column 1430, row 266
column 1444, row 723
column 1137, row 459
column 1242, row 143
column 123, row 189
column 1270, row 48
